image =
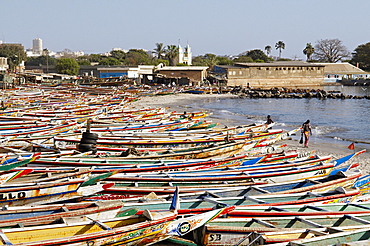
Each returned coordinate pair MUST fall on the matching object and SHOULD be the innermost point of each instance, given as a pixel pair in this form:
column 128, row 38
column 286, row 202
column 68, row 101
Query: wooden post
column 88, row 125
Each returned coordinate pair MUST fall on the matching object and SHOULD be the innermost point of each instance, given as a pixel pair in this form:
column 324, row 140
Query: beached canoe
column 274, row 176
column 21, row 216
column 206, row 203
column 228, row 230
column 322, row 184
column 54, row 190
column 152, row 194
column 148, row 228
column 171, row 143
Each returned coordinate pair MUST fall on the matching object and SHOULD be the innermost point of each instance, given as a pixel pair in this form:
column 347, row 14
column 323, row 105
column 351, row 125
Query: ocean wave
column 323, row 130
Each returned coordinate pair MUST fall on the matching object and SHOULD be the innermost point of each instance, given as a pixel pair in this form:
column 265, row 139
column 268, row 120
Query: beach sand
column 178, row 102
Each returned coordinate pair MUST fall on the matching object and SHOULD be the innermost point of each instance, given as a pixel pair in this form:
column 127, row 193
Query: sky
column 221, row 27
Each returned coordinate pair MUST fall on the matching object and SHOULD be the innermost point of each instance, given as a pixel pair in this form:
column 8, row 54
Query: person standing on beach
column 306, row 132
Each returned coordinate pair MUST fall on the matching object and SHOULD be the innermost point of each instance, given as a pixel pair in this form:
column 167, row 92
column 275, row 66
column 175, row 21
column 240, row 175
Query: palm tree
column 159, row 50
column 46, row 52
column 172, row 51
column 308, row 51
column 268, row 50
column 279, row 46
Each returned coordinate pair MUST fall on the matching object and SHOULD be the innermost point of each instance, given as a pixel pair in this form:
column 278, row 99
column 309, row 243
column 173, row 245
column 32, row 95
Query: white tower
column 181, row 54
column 37, row 46
column 185, row 55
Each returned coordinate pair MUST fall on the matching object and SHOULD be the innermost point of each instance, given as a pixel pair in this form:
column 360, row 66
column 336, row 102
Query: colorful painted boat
column 227, row 230
column 321, row 184
column 16, row 216
column 31, row 193
column 143, row 229
column 206, row 203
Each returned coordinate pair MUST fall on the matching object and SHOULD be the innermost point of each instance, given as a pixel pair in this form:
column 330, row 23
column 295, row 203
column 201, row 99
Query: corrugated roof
column 342, row 68
column 167, row 68
column 281, row 64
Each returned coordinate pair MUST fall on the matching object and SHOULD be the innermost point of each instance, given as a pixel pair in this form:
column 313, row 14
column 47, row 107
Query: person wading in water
column 306, row 132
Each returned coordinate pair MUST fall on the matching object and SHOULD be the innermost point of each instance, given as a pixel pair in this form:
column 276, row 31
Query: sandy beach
column 178, row 102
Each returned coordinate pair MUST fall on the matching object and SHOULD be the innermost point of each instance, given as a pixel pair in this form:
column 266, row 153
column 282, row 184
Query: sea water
column 339, row 121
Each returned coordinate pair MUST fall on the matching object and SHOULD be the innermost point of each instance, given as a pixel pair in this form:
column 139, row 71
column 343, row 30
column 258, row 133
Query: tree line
column 324, row 50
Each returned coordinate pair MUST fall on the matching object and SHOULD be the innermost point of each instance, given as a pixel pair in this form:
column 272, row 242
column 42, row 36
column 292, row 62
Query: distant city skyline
column 208, row 26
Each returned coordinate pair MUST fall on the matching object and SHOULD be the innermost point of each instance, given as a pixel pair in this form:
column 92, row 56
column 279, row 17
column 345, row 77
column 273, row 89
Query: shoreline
column 180, row 102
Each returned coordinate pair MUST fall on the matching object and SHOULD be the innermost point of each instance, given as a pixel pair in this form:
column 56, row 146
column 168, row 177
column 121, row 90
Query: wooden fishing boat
column 171, row 143
column 203, row 177
column 38, row 130
column 127, row 165
column 283, row 236
column 206, row 203
column 21, row 216
column 150, row 227
column 10, row 162
column 65, row 188
column 270, row 176
column 351, row 237
column 219, row 150
column 302, row 210
column 234, row 230
column 322, row 184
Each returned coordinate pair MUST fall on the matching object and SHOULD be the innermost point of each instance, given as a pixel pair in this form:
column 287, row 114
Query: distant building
column 274, row 74
column 37, row 46
column 185, row 55
column 114, row 72
column 193, row 75
column 133, row 73
column 4, row 64
column 336, row 72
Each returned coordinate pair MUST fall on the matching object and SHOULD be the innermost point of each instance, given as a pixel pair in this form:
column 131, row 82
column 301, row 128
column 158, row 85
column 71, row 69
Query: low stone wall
column 278, row 82
column 292, row 93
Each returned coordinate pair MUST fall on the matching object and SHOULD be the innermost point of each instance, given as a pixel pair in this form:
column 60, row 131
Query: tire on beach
column 86, row 147
column 89, row 135
column 87, row 141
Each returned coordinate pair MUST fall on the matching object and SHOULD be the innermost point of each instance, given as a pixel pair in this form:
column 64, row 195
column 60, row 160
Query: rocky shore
column 293, row 93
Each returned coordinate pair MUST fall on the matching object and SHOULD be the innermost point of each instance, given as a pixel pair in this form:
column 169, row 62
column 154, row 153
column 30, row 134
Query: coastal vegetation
column 15, row 54
column 280, row 46
column 330, row 50
column 361, row 56
column 308, row 51
column 67, row 66
column 324, row 50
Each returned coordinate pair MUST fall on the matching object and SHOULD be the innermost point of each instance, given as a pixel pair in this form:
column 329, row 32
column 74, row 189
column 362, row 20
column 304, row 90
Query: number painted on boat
column 215, row 237
column 12, row 196
column 90, row 243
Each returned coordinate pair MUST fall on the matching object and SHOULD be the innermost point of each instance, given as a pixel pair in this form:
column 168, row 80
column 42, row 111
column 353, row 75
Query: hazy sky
column 222, row 27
